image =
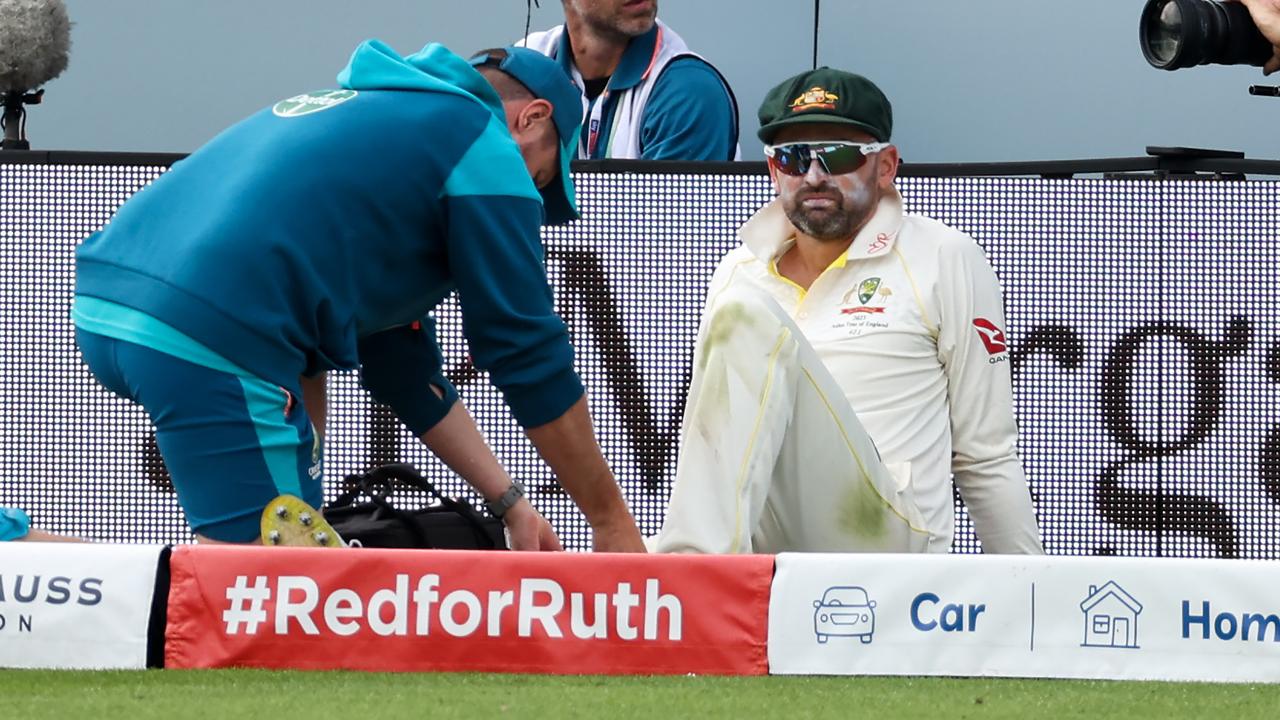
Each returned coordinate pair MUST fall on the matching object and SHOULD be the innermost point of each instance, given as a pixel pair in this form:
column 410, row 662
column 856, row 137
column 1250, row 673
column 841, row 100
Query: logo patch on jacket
column 311, row 102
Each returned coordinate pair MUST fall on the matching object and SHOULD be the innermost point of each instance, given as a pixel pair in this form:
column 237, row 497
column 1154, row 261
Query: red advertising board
column 410, row 610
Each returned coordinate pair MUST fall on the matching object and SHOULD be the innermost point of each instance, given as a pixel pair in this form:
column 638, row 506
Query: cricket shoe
column 289, row 521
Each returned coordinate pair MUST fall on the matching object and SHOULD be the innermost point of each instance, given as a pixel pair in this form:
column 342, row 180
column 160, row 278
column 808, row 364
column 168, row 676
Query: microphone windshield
column 35, row 36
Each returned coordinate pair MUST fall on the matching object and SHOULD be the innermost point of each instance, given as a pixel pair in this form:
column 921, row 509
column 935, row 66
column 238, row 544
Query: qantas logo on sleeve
column 992, row 336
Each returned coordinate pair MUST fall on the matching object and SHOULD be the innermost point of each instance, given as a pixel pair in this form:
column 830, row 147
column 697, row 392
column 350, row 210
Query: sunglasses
column 837, row 157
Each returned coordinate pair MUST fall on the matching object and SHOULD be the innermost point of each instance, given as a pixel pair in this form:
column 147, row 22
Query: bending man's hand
column 622, row 537
column 1266, row 15
column 528, row 530
column 457, row 441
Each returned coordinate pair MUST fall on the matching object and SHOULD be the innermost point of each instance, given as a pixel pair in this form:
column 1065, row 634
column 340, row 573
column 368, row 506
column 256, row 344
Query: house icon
column 1110, row 617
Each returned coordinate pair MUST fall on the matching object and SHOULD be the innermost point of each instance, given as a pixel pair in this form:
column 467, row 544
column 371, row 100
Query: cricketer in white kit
column 850, row 361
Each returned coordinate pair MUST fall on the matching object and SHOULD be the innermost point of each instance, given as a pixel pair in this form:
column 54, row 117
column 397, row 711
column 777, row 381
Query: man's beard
column 829, row 225
column 626, row 30
column 620, row 29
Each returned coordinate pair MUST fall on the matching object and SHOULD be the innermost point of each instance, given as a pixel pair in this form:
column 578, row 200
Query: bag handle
column 357, row 485
column 380, row 483
column 405, row 474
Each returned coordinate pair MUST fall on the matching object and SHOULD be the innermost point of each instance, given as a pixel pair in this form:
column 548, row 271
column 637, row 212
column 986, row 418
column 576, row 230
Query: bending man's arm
column 568, row 445
column 401, row 367
column 457, row 441
column 495, row 256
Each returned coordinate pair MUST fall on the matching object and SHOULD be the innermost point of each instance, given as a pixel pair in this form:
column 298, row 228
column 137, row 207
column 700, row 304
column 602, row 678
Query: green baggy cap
column 828, row 96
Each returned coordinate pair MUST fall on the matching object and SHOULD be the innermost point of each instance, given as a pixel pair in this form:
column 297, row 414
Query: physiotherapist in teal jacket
column 317, row 235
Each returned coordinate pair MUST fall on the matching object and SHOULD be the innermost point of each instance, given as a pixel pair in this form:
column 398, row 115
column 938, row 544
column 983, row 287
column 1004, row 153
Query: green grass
column 281, row 695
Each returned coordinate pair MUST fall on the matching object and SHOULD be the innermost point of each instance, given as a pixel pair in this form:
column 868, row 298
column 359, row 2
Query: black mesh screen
column 1142, row 319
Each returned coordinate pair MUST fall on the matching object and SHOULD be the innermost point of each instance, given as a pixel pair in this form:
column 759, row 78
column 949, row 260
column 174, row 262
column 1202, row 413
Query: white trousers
column 772, row 457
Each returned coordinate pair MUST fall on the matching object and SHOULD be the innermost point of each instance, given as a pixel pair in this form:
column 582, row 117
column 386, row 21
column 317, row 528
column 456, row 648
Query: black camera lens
column 1184, row 33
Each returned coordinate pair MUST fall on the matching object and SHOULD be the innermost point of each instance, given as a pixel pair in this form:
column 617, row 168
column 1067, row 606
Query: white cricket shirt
column 911, row 324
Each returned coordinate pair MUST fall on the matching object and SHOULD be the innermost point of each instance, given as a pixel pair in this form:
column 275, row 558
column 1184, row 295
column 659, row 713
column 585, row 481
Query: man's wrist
column 500, row 505
column 619, row 517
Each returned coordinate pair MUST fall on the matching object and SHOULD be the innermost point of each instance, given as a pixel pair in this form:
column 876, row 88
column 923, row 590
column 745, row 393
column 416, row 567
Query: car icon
column 844, row 612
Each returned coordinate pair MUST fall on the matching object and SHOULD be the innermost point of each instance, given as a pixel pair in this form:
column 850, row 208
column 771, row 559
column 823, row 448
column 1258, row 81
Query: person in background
column 851, row 359
column 646, row 94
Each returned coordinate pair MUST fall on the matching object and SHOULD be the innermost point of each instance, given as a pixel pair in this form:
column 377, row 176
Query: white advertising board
column 70, row 605
column 1007, row 616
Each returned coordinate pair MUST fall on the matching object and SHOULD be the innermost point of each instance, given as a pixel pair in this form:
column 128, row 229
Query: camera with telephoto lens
column 1184, row 33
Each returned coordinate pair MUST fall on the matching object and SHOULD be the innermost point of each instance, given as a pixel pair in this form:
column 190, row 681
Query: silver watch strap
column 506, row 500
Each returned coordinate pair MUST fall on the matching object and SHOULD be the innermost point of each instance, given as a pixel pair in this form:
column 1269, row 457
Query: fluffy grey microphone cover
column 35, row 36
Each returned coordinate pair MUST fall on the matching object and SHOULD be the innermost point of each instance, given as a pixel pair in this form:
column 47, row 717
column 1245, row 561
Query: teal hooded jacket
column 294, row 241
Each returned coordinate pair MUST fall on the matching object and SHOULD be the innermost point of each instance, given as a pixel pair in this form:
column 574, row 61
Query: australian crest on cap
column 815, row 97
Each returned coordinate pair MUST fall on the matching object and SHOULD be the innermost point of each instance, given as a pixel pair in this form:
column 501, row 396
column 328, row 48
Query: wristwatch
column 506, row 500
